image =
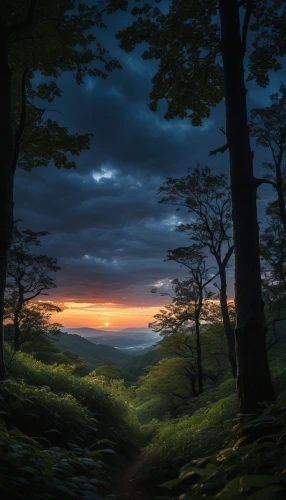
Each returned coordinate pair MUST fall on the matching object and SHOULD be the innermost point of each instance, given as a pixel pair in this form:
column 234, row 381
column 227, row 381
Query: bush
column 201, row 433
column 254, row 467
column 108, row 403
column 44, row 415
column 28, row 471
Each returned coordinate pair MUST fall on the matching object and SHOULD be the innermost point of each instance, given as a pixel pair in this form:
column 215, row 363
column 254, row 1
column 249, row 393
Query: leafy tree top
column 46, row 39
column 34, row 321
column 186, row 42
column 191, row 301
column 206, row 196
column 29, row 275
column 268, row 126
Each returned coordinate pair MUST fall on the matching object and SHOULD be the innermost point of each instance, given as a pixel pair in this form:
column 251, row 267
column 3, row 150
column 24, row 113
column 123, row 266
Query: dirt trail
column 126, row 485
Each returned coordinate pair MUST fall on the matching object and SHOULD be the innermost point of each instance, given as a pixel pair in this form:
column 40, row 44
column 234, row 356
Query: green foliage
column 109, row 404
column 251, row 466
column 112, row 372
column 186, row 42
column 169, row 378
column 46, row 39
column 32, row 271
column 277, row 360
column 156, row 407
column 137, row 365
column 168, row 387
column 46, row 416
column 202, row 431
column 94, row 354
column 30, row 471
column 34, row 324
column 75, row 363
column 29, row 277
column 254, row 467
column 269, row 42
column 109, row 371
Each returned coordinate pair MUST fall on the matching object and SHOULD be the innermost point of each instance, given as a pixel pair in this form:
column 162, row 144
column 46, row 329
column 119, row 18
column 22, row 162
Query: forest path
column 126, row 483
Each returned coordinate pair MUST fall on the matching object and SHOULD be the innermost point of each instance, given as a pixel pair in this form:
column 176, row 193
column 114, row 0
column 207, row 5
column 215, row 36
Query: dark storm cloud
column 107, row 229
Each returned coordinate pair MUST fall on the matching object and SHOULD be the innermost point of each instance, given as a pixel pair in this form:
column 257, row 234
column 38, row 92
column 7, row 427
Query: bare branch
column 222, row 149
column 228, row 255
column 259, row 181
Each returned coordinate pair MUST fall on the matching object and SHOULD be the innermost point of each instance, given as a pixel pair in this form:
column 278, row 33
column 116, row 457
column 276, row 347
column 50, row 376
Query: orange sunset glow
column 106, row 316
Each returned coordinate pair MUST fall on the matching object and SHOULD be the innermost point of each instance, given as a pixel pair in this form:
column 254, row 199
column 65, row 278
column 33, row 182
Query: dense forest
column 201, row 413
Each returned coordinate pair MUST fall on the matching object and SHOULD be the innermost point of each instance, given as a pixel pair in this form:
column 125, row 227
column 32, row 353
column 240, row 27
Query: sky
column 106, row 227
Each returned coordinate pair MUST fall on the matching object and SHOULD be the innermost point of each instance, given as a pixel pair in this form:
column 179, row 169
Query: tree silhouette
column 29, row 277
column 190, row 305
column 206, row 197
column 46, row 37
column 200, row 47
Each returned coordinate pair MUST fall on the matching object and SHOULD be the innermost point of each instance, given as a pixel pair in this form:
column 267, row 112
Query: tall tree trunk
column 280, row 195
column 253, row 375
column 226, row 322
column 6, row 176
column 199, row 356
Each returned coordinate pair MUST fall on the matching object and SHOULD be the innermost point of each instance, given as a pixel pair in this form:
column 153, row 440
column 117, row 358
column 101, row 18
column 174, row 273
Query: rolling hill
column 94, row 354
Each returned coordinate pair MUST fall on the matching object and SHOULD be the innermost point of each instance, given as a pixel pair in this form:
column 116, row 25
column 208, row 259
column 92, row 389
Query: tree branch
column 222, row 149
column 210, row 280
column 228, row 255
column 259, row 181
column 26, row 22
column 39, row 292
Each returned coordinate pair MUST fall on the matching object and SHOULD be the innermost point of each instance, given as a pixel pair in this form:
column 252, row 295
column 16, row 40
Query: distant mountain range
column 86, row 332
column 136, row 330
column 94, row 332
column 131, row 340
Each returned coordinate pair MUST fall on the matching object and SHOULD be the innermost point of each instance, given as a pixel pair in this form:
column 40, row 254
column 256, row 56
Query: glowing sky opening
column 101, row 316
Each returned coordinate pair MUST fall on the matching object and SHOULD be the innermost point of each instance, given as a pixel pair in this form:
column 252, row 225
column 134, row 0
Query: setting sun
column 106, row 324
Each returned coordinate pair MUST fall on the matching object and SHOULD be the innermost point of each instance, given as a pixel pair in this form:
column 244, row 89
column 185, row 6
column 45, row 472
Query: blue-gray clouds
column 106, row 225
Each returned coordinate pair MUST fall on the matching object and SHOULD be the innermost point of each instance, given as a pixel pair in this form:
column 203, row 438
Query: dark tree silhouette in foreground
column 46, row 37
column 201, row 47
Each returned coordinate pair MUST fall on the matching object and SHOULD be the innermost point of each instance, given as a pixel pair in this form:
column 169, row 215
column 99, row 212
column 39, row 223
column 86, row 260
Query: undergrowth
column 251, row 468
column 61, row 435
column 202, row 432
column 30, row 471
column 108, row 402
